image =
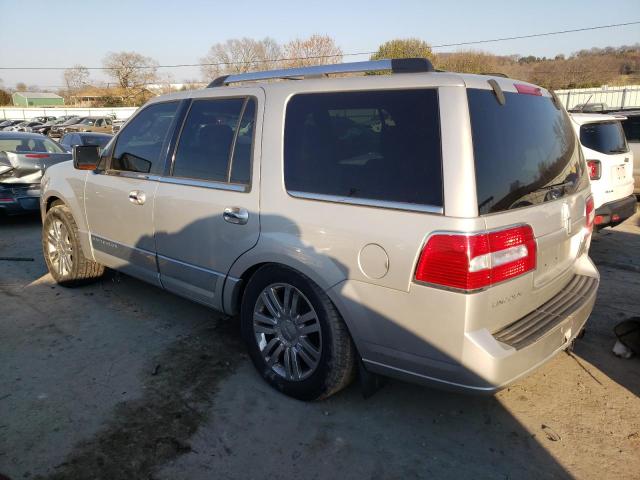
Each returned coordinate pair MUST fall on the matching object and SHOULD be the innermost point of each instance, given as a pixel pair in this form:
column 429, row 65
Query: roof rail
column 399, row 65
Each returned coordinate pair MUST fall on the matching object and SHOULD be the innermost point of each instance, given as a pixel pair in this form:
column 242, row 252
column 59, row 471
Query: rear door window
column 525, row 151
column 604, row 137
column 206, row 149
column 381, row 145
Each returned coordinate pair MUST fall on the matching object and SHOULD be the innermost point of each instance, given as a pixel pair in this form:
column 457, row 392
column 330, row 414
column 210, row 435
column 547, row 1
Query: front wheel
column 62, row 251
column 296, row 337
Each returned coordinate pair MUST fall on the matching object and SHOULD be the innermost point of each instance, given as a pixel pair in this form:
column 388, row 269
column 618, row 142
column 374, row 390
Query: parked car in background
column 91, row 124
column 631, row 127
column 23, row 159
column 22, row 126
column 70, row 140
column 371, row 221
column 46, row 128
column 610, row 165
column 56, row 131
column 43, row 119
column 117, row 125
column 9, row 123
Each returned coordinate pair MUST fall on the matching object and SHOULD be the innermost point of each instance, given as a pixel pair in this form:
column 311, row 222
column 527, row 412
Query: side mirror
column 86, row 157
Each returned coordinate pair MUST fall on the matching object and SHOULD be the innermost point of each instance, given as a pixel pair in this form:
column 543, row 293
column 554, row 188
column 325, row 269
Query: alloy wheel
column 287, row 331
column 59, row 248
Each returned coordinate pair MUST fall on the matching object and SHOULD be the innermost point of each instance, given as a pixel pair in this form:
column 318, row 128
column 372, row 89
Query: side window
column 377, row 145
column 205, row 144
column 65, row 140
column 631, row 128
column 99, row 122
column 139, row 145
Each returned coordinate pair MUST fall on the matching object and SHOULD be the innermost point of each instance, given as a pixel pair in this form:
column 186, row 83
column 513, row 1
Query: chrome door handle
column 137, row 197
column 236, row 215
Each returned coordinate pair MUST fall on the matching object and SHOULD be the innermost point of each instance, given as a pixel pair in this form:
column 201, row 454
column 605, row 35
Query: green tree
column 404, row 48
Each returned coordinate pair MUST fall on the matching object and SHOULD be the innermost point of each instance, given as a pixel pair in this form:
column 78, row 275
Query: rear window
column 376, row 145
column 604, row 137
column 97, row 140
column 29, row 145
column 525, row 151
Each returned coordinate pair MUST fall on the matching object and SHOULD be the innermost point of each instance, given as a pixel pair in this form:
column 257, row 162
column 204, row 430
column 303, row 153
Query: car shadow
column 436, row 430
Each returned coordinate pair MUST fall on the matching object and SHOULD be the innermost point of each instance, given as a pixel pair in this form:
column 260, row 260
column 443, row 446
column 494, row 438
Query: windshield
column 604, row 137
column 525, row 151
column 29, row 145
column 87, row 121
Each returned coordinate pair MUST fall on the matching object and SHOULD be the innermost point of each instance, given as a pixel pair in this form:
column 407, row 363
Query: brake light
column 595, row 169
column 472, row 262
column 37, row 155
column 590, row 213
column 528, row 89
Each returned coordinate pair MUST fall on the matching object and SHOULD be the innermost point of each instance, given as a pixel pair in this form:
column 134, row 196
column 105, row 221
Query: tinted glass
column 139, row 145
column 605, row 137
column 631, row 128
column 205, row 143
column 525, row 151
column 66, row 139
column 379, row 145
column 241, row 165
column 97, row 140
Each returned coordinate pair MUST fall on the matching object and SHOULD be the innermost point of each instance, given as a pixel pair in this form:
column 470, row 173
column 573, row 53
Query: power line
column 162, row 85
column 350, row 54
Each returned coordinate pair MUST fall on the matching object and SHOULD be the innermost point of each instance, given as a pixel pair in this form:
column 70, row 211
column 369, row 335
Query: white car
column 610, row 164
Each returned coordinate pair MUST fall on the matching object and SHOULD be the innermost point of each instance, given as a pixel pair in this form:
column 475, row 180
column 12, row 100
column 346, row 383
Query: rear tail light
column 528, row 89
column 472, row 262
column 590, row 213
column 37, row 155
column 595, row 169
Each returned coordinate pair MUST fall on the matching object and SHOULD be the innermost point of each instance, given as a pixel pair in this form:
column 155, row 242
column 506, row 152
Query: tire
column 296, row 334
column 60, row 234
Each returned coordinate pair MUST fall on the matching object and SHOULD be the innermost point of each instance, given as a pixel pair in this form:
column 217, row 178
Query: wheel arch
column 234, row 288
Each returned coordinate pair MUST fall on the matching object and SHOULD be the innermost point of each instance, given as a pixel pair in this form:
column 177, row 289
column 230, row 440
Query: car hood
column 27, row 167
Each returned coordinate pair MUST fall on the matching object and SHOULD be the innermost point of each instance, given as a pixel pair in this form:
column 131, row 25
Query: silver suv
column 425, row 225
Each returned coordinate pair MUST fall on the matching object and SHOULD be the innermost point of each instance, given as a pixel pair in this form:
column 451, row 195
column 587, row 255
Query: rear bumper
column 436, row 349
column 18, row 201
column 615, row 212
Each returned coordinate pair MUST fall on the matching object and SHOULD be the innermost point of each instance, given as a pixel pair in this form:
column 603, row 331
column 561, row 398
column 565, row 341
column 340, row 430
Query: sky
column 63, row 33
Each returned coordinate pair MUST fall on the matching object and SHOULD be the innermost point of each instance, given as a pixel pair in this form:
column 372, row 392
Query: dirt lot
column 120, row 380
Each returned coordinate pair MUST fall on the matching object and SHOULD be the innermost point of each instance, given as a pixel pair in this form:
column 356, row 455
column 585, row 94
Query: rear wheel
column 296, row 337
column 62, row 252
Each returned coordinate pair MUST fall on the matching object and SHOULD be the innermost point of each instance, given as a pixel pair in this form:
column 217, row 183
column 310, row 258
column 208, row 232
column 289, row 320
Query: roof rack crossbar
column 401, row 65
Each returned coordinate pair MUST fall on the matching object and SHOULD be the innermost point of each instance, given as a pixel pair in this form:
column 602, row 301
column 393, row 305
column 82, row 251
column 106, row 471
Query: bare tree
column 76, row 78
column 239, row 55
column 132, row 72
column 315, row 50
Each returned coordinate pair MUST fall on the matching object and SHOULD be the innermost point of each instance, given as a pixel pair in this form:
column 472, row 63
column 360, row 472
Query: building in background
column 35, row 99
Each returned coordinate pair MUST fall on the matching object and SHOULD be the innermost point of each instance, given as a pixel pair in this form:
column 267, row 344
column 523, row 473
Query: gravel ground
column 120, row 380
